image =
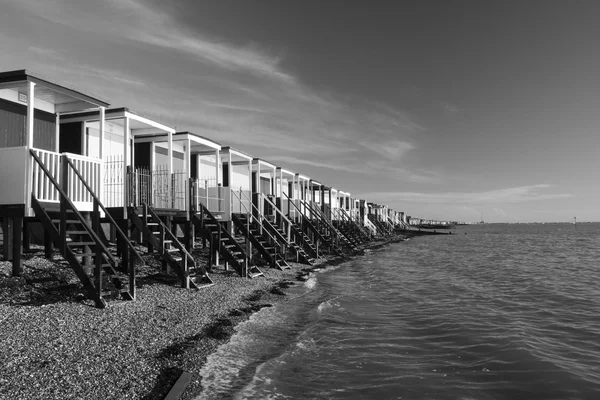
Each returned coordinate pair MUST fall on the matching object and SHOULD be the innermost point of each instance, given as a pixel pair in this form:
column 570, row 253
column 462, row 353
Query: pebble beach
column 56, row 345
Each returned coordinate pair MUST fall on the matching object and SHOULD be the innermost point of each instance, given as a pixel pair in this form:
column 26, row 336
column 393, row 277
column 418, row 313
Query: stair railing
column 65, row 202
column 300, row 212
column 98, row 205
column 370, row 225
column 329, row 227
column 261, row 220
column 167, row 233
column 248, row 212
column 352, row 222
column 307, row 222
column 285, row 220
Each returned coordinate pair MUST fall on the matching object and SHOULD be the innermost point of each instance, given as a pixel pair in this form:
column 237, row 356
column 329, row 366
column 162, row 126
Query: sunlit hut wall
column 30, row 111
column 127, row 147
column 201, row 165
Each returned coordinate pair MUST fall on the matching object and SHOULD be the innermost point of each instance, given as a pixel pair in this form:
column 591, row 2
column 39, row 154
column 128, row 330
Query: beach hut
column 135, row 169
column 47, row 179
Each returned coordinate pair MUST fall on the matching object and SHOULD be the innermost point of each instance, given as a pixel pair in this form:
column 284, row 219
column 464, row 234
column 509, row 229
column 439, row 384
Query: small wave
column 311, row 282
column 331, row 303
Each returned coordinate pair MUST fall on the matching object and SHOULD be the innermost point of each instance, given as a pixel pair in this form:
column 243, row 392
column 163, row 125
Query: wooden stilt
column 7, row 235
column 87, row 260
column 47, row 245
column 125, row 256
column 26, row 236
column 188, row 236
column 17, row 246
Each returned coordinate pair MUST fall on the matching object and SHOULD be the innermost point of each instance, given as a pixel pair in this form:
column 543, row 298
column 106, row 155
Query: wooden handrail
column 283, row 217
column 349, row 219
column 106, row 213
column 322, row 215
column 262, row 220
column 66, row 199
column 168, row 232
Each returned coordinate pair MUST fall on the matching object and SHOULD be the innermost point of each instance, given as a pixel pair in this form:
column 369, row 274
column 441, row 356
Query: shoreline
column 56, row 345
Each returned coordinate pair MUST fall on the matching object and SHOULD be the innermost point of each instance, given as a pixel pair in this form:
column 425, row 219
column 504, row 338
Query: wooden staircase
column 381, row 228
column 223, row 242
column 191, row 274
column 101, row 273
column 301, row 255
column 360, row 231
column 308, row 245
column 267, row 246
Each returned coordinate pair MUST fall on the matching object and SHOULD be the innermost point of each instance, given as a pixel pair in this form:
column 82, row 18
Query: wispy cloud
column 142, row 23
column 449, row 108
column 235, row 93
column 501, row 196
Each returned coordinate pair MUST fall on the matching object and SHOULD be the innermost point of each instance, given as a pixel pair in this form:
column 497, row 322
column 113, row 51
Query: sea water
column 492, row 311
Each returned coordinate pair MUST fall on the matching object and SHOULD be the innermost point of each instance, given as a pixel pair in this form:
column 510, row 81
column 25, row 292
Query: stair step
column 69, row 221
column 77, row 233
column 77, row 244
column 88, row 254
column 111, row 292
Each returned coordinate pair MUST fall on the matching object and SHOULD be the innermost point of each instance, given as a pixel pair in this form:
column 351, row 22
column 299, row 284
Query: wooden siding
column 13, row 119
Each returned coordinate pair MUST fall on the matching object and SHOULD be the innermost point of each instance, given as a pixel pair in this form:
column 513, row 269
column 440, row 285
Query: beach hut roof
column 64, row 97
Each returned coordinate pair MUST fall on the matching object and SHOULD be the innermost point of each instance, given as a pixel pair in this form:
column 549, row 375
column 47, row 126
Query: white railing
column 286, row 223
column 179, row 190
column 209, row 194
column 242, row 200
column 114, row 181
column 41, row 187
column 90, row 169
column 369, row 225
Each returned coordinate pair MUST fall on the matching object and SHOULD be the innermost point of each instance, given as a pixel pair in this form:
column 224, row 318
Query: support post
column 57, row 133
column 170, row 183
column 17, row 248
column 95, row 224
column 87, row 260
column 101, row 127
column 47, row 245
column 26, row 236
column 125, row 251
column 126, row 163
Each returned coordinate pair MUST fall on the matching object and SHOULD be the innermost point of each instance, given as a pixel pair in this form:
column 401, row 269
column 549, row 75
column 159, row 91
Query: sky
column 450, row 110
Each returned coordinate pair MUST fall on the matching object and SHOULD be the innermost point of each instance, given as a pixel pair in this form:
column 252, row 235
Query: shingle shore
column 55, row 345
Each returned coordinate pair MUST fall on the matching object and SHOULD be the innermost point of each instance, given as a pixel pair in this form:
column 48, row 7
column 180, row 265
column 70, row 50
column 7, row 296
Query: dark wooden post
column 47, row 245
column 145, row 216
column 87, row 260
column 161, row 243
column 8, row 238
column 211, row 254
column 95, row 224
column 125, row 251
column 17, row 245
column 188, row 236
column 26, row 236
